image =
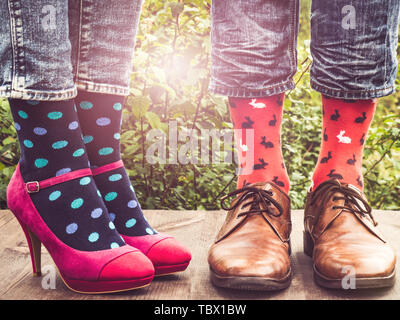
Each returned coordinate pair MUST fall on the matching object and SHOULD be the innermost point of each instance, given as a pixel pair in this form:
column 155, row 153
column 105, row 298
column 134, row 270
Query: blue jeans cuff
column 102, row 88
column 251, row 93
column 26, row 94
column 352, row 94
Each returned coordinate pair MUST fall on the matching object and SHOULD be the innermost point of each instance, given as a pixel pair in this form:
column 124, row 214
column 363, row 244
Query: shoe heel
column 308, row 244
column 35, row 250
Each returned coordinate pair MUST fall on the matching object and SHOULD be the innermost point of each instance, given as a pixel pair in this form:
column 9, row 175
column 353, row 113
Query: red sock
column 345, row 127
column 264, row 116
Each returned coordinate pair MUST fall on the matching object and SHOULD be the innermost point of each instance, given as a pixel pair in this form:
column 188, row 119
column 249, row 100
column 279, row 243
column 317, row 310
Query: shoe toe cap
column 132, row 265
column 243, row 263
column 169, row 252
column 364, row 262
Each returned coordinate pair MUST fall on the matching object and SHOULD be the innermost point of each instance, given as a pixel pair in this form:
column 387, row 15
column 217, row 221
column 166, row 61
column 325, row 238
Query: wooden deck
column 197, row 230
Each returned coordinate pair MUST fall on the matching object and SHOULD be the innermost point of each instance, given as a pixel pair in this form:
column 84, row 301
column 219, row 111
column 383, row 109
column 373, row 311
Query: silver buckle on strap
column 32, row 186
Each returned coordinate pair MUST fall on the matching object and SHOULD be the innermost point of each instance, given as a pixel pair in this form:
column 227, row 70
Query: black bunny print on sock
column 336, row 116
column 361, row 119
column 272, row 123
column 325, row 135
column 248, row 124
column 277, row 182
column 260, row 165
column 352, row 161
column 333, row 175
column 326, row 159
column 362, row 140
column 266, row 144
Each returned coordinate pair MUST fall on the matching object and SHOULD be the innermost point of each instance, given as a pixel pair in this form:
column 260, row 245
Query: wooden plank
column 197, row 230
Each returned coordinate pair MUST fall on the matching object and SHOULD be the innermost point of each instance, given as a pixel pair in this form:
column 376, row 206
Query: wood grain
column 197, row 230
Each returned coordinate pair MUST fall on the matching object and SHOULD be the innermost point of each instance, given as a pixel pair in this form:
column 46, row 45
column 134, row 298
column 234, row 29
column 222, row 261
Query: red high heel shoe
column 112, row 270
column 165, row 252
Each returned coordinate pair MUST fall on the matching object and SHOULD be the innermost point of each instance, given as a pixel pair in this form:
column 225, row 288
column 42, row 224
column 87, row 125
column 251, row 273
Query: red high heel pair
column 112, row 270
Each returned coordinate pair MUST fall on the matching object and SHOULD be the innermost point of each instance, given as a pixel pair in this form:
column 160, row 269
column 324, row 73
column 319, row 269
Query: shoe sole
column 360, row 283
column 104, row 287
column 171, row 269
column 331, row 283
column 250, row 283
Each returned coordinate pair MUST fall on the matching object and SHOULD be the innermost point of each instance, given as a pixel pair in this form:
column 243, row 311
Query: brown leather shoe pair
column 252, row 249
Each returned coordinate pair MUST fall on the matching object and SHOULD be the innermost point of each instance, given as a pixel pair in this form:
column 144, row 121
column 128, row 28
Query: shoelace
column 258, row 196
column 350, row 196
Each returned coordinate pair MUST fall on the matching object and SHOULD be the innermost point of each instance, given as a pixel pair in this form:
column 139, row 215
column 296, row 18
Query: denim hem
column 101, row 88
column 251, row 93
column 352, row 94
column 26, row 94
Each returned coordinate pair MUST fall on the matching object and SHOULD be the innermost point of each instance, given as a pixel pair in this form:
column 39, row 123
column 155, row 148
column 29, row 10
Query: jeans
column 353, row 46
column 49, row 49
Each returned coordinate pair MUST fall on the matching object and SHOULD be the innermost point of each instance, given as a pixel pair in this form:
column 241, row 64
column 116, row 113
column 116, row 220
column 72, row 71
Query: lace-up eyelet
column 350, row 200
column 257, row 201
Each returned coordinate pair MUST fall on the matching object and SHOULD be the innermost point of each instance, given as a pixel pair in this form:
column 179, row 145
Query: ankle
column 281, row 179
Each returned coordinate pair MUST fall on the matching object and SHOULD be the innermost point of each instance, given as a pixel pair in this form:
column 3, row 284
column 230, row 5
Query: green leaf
column 153, row 119
column 139, row 105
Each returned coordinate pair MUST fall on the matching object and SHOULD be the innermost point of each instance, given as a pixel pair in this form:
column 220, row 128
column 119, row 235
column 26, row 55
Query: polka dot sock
column 100, row 117
column 345, row 126
column 264, row 116
column 51, row 145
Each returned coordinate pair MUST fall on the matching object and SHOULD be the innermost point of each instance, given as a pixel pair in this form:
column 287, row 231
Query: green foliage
column 169, row 83
column 9, row 149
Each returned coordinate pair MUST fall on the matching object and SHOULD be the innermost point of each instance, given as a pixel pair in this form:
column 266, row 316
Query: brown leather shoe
column 252, row 249
column 341, row 236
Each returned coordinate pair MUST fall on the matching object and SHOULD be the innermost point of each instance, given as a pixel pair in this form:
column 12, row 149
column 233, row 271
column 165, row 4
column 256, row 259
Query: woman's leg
column 51, row 145
column 102, row 36
column 52, row 192
column 103, row 41
column 48, row 131
column 35, row 51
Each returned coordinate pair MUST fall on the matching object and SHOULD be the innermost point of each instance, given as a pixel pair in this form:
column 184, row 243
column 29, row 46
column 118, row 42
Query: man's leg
column 354, row 62
column 254, row 60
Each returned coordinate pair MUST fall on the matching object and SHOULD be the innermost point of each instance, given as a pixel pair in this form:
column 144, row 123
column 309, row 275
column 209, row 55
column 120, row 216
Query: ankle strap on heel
column 36, row 186
column 107, row 167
